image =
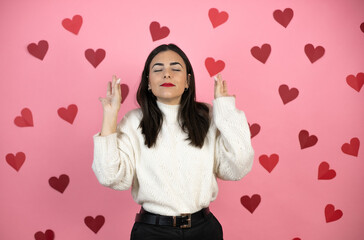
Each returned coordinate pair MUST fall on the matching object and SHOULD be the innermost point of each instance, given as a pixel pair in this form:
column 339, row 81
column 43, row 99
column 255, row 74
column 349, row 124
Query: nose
column 167, row 74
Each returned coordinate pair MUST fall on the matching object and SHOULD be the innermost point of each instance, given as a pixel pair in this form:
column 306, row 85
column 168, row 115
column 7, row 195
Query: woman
column 172, row 149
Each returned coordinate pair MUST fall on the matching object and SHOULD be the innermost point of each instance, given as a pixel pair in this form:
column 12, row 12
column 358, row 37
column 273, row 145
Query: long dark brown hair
column 193, row 116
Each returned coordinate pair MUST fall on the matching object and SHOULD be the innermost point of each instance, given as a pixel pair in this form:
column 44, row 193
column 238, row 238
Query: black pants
column 206, row 229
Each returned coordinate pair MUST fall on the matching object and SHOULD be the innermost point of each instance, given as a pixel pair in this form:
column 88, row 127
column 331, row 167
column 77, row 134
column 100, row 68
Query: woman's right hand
column 111, row 103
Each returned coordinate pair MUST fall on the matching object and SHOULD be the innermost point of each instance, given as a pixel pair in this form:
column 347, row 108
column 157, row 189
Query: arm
column 114, row 161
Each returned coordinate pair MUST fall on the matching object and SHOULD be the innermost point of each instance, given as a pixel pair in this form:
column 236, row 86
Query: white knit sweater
column 174, row 177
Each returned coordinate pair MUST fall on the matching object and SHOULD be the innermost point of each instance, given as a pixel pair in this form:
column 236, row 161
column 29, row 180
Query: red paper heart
column 356, row 82
column 270, row 162
column 25, row 120
column 287, row 94
column 214, row 67
column 68, row 114
column 261, row 54
column 15, row 161
column 362, row 27
column 250, row 203
column 283, row 18
column 124, row 91
column 312, row 53
column 331, row 214
column 217, row 18
column 306, row 140
column 157, row 31
column 254, row 129
column 325, row 173
column 95, row 223
column 48, row 235
column 73, row 25
column 351, row 148
column 60, row 184
column 40, row 50
column 296, row 239
column 95, row 58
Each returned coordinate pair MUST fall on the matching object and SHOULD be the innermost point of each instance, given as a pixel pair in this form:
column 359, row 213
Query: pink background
column 293, row 199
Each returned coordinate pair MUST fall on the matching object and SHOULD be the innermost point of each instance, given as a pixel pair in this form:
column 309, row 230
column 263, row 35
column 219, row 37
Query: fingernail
column 118, row 81
column 215, row 78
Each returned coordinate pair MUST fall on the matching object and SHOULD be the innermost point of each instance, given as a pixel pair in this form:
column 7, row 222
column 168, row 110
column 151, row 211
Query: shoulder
column 131, row 119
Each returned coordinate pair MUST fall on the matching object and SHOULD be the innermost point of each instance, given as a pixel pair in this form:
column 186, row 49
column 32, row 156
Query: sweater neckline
column 170, row 112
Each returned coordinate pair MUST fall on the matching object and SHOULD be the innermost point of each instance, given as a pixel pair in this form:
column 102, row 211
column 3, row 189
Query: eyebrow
column 172, row 63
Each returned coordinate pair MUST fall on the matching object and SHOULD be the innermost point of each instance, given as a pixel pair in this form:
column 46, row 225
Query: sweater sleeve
column 114, row 161
column 234, row 153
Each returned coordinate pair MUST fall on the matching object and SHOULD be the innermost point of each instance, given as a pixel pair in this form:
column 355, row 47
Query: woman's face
column 168, row 67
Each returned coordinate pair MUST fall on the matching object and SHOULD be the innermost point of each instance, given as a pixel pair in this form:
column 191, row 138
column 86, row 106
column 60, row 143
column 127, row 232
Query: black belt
column 186, row 220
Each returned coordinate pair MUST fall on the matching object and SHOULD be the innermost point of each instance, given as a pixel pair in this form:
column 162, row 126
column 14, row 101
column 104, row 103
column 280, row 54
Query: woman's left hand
column 221, row 88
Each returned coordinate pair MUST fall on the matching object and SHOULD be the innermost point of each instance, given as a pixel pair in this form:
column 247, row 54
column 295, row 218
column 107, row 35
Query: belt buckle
column 188, row 225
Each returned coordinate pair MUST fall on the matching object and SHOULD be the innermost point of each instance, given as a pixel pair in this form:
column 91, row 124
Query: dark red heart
column 73, row 25
column 287, row 94
column 325, row 173
column 306, row 140
column 283, row 18
column 356, row 82
column 262, row 53
column 254, row 129
column 351, row 148
column 48, row 235
column 124, row 91
column 331, row 214
column 68, row 114
column 95, row 58
column 157, row 31
column 95, row 223
column 362, row 27
column 38, row 50
column 313, row 53
column 60, row 184
column 15, row 161
column 250, row 203
column 296, row 238
column 25, row 120
column 270, row 162
column 217, row 18
column 214, row 67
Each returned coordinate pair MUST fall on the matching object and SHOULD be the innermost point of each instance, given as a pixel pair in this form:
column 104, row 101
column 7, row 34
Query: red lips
column 167, row 85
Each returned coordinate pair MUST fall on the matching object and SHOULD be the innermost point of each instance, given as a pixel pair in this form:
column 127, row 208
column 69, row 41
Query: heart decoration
column 73, row 25
column 95, row 224
column 356, row 82
column 48, row 235
column 15, row 161
column 296, row 238
column 124, row 92
column 214, row 67
column 313, row 53
column 331, row 214
column 283, row 18
column 250, row 203
column 38, row 50
column 95, row 58
column 25, row 120
column 217, row 18
column 351, row 148
column 157, row 31
column 325, row 173
column 306, row 140
column 68, row 114
column 261, row 54
column 254, row 129
column 287, row 94
column 60, row 184
column 362, row 27
column 270, row 162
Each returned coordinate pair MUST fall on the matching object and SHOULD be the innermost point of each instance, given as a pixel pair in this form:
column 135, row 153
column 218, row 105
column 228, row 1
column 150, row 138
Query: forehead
column 166, row 57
